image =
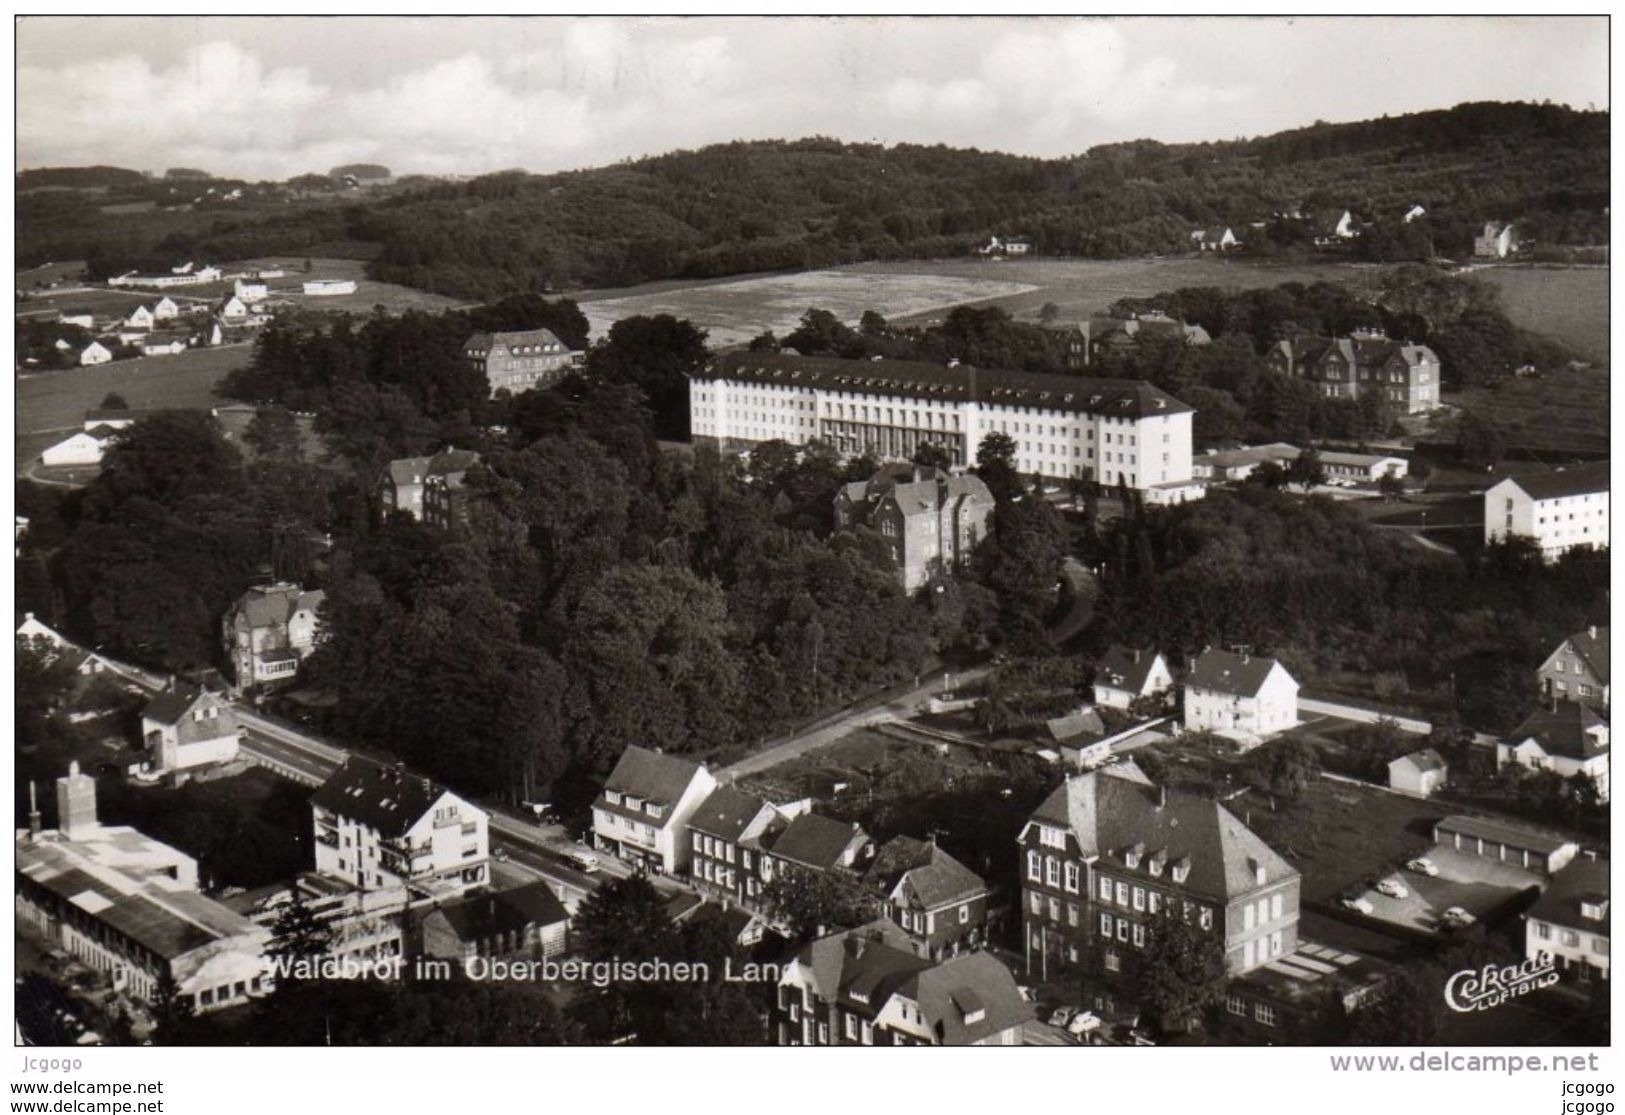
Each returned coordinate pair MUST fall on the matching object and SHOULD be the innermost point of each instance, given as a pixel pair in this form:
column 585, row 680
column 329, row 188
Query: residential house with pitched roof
column 1559, row 510
column 868, row 986
column 938, row 901
column 1495, row 241
column 380, row 826
column 405, row 484
column 269, row 631
column 1128, row 674
column 128, row 905
column 931, row 521
column 445, row 495
column 1405, row 376
column 1229, row 692
column 188, row 727
column 729, row 834
column 1564, row 737
column 1420, row 773
column 93, row 354
column 526, row 922
column 1216, row 240
column 1108, row 854
column 521, row 361
column 1578, row 670
column 1106, row 332
column 642, row 815
column 811, row 842
column 1570, row 921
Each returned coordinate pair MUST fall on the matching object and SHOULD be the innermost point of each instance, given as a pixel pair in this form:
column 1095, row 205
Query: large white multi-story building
column 1560, row 510
column 1111, row 431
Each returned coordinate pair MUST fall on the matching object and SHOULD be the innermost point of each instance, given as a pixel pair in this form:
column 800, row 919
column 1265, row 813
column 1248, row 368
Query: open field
column 57, row 401
column 734, row 312
column 395, row 299
column 1569, row 303
column 1559, row 412
column 101, row 301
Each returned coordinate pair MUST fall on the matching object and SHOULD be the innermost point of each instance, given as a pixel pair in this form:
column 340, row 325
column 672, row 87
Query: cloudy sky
column 269, row 98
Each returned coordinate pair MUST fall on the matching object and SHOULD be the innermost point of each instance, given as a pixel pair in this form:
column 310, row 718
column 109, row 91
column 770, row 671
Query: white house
column 1495, row 242
column 187, row 727
column 250, row 290
column 1365, row 467
column 1222, row 240
column 1127, row 674
column 232, row 309
column 328, row 288
column 165, row 309
column 1420, row 772
column 1570, row 922
column 1578, row 669
column 1559, row 510
column 165, row 342
column 381, row 826
column 140, row 318
column 643, row 813
column 83, row 321
column 78, row 450
column 1413, row 213
column 1564, row 737
column 1228, row 692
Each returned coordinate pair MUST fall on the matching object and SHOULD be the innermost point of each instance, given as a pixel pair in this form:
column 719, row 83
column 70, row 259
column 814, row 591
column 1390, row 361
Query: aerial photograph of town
column 711, row 532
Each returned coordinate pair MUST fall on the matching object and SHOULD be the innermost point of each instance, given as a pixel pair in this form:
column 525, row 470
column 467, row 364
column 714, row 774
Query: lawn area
column 288, row 290
column 1568, row 303
column 1559, row 412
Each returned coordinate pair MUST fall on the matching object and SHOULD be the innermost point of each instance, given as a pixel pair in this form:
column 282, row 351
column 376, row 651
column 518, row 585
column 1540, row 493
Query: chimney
column 1162, row 796
column 33, row 811
column 76, row 803
column 1592, row 631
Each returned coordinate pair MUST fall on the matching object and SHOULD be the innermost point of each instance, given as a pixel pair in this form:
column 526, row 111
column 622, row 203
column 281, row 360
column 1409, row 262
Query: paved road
column 830, row 729
column 1085, row 588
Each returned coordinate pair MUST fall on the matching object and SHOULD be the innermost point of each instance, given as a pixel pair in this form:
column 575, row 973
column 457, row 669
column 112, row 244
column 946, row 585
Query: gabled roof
column 1116, row 809
column 1084, row 722
column 861, row 968
column 274, row 605
column 934, row 878
column 1116, row 398
column 726, row 813
column 1125, row 668
column 486, row 342
column 1424, row 760
column 483, row 916
column 651, row 776
column 814, row 841
column 389, row 799
column 968, row 999
column 170, row 706
column 1592, row 645
column 1225, row 672
column 1575, row 480
column 1563, row 728
column 1583, row 882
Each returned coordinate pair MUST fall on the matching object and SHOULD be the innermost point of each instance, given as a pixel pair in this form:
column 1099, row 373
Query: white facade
column 660, row 837
column 78, row 450
column 1157, row 679
column 1530, row 755
column 446, row 850
column 1274, row 708
column 319, row 288
column 1150, row 453
column 1556, row 525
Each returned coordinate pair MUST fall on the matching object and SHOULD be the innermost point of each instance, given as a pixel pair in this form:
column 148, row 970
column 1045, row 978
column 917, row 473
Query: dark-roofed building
column 867, row 986
column 938, row 901
column 1246, row 693
column 931, row 521
column 1541, row 852
column 406, row 480
column 187, row 726
column 1578, row 670
column 1559, row 510
column 1128, row 674
column 1063, row 426
column 727, row 837
column 380, row 826
column 128, row 905
column 527, row 921
column 1405, row 376
column 1420, row 772
column 816, row 843
column 1109, row 853
column 1570, row 921
column 1564, row 737
column 522, row 361
column 643, row 813
column 445, row 495
column 1107, row 333
column 269, row 631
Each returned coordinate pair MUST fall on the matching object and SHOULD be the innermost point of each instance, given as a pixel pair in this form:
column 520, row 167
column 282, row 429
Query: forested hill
column 744, row 207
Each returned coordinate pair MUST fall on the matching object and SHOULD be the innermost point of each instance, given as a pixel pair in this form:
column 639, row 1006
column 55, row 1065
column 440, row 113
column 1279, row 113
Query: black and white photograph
column 819, row 531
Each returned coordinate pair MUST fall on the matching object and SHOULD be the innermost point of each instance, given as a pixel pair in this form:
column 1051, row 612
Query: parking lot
column 1477, row 885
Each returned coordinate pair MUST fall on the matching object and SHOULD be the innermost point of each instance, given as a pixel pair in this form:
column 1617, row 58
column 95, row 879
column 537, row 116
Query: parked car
column 582, row 859
column 1063, row 1016
column 1393, row 888
column 1457, row 918
column 1084, row 1022
column 1359, row 905
column 499, row 853
column 1423, row 866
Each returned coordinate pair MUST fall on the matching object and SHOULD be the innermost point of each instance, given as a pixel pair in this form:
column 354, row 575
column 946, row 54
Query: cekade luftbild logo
column 1490, row 986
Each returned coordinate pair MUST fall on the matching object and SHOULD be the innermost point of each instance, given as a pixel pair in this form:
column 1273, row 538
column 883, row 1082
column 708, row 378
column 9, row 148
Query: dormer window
column 1132, row 856
column 1156, row 863
column 1181, row 870
column 612, row 796
column 654, row 809
column 1594, row 909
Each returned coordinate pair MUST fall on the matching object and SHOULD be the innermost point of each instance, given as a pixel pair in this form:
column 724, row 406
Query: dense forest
column 757, row 206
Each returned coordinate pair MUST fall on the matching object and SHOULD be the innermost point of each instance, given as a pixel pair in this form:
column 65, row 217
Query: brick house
column 188, row 727
column 527, row 921
column 1405, row 376
column 1109, row 853
column 938, row 901
column 728, row 837
column 643, row 812
column 1578, row 670
column 930, row 520
column 868, row 986
column 522, row 361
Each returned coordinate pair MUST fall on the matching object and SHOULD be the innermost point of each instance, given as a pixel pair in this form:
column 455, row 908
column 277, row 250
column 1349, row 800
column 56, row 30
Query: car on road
column 1084, row 1022
column 1359, row 905
column 1063, row 1016
column 582, row 859
column 499, row 853
column 1456, row 918
column 1393, row 888
column 1423, row 866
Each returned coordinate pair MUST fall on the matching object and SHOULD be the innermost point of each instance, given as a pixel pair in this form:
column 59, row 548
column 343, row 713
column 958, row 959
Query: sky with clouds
column 270, row 98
